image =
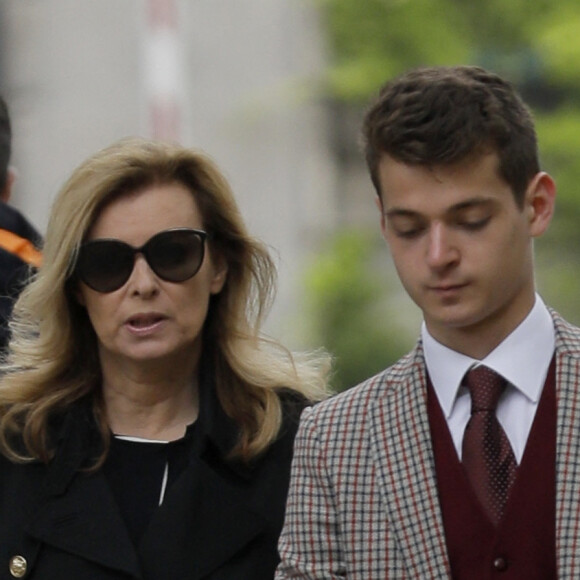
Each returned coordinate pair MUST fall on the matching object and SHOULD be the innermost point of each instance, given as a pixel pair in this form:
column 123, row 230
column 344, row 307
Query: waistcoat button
column 18, row 566
column 500, row 564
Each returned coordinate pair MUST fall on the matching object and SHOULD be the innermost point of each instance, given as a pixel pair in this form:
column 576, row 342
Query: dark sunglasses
column 174, row 255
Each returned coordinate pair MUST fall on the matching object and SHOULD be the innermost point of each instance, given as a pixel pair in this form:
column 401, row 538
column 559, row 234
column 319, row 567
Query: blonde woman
column 146, row 427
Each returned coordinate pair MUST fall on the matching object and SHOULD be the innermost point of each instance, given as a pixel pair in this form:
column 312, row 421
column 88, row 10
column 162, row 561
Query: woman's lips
column 144, row 323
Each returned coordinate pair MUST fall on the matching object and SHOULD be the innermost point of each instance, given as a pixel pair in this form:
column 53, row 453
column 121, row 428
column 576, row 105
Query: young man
column 463, row 459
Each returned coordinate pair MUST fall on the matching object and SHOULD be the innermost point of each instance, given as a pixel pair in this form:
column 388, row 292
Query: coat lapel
column 224, row 523
column 567, row 449
column 216, row 491
column 400, row 435
column 85, row 522
column 76, row 511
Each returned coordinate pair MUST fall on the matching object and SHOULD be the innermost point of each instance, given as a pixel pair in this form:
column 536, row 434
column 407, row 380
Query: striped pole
column 163, row 71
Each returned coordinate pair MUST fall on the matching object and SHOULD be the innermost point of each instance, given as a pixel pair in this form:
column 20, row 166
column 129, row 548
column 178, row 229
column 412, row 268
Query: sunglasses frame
column 78, row 273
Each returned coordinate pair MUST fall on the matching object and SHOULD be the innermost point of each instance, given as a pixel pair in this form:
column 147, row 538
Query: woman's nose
column 143, row 280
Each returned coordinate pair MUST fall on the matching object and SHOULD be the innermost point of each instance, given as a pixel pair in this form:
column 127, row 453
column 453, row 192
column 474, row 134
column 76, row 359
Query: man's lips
column 442, row 288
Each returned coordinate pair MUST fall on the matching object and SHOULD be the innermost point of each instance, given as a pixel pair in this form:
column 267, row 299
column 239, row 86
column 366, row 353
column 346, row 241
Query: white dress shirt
column 523, row 359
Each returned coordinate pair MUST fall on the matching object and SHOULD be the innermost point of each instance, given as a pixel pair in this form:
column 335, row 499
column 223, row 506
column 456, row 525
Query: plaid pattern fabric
column 363, row 499
column 567, row 449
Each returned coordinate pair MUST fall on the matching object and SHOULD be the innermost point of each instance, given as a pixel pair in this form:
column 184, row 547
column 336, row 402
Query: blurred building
column 237, row 78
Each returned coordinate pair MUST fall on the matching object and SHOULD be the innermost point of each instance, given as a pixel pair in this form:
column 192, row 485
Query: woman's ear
column 220, row 273
column 78, row 294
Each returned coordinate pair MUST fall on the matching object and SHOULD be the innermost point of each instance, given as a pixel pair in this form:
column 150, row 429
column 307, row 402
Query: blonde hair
column 52, row 359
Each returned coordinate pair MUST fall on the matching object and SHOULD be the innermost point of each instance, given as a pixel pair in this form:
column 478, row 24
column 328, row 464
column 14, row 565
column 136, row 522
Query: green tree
column 527, row 40
column 534, row 43
column 349, row 294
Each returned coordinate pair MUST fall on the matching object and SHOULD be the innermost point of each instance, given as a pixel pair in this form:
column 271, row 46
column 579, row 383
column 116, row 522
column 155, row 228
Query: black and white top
column 141, row 473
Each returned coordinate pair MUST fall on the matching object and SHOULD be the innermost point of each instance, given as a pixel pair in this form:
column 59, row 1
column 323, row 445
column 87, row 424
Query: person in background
column 20, row 243
column 462, row 460
column 146, row 425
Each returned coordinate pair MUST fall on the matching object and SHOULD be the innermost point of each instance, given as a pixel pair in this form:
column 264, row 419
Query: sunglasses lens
column 175, row 255
column 105, row 265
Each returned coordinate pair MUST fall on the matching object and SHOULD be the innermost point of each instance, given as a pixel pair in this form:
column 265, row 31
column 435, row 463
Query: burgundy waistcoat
column 524, row 544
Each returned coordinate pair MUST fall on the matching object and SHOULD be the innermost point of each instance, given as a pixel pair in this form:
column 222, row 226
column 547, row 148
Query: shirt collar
column 523, row 358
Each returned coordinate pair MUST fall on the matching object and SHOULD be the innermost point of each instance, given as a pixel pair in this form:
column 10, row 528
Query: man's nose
column 441, row 246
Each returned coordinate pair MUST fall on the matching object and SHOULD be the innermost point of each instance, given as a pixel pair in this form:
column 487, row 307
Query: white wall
column 74, row 80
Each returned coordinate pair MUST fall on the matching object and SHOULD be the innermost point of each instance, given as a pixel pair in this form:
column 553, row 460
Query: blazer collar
column 567, row 447
column 405, row 460
column 400, row 436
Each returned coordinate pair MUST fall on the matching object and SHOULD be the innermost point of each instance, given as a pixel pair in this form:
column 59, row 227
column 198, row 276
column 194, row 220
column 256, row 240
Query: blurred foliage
column 343, row 284
column 535, row 44
column 525, row 40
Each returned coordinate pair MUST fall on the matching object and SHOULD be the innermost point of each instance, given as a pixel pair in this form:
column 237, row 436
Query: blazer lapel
column 567, row 450
column 400, row 434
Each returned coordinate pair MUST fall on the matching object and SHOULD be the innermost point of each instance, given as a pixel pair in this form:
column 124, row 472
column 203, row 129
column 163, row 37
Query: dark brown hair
column 446, row 115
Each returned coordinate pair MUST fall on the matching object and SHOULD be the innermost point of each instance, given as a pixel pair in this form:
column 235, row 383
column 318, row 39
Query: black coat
column 220, row 522
column 14, row 272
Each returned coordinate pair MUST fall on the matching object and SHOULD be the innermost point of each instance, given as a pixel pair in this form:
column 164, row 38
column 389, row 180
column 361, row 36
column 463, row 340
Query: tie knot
column 486, row 387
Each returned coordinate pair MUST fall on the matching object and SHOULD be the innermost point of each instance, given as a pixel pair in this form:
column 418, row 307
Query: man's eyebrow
column 463, row 205
column 469, row 203
column 398, row 211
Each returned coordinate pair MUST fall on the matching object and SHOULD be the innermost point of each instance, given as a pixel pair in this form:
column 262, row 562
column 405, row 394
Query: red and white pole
column 163, row 71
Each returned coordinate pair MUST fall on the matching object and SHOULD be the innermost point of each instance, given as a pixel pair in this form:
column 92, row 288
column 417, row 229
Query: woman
column 146, row 427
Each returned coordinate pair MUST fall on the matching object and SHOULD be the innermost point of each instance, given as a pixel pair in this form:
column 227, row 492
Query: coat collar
column 84, row 520
column 213, row 422
column 77, row 512
column 218, row 431
column 78, row 440
column 223, row 520
column 77, row 443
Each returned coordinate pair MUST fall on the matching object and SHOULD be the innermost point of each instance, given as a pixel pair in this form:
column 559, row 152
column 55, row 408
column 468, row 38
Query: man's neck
column 478, row 340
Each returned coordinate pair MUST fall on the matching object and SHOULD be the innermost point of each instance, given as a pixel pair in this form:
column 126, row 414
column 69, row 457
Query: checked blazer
column 363, row 500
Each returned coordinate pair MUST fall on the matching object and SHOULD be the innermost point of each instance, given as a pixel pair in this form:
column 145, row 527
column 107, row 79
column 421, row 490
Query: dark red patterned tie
column 487, row 455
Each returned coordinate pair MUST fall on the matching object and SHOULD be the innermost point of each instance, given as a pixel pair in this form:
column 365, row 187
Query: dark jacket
column 14, row 272
column 220, row 522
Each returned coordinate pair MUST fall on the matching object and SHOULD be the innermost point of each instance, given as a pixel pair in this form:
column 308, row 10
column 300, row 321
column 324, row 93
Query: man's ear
column 540, row 202
column 6, row 192
column 379, row 204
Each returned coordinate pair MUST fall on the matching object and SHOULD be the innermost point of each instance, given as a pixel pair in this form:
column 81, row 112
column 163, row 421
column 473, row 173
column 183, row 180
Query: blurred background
column 274, row 91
